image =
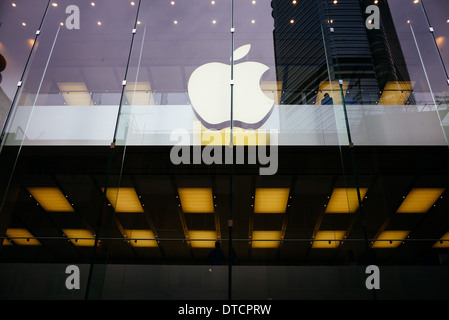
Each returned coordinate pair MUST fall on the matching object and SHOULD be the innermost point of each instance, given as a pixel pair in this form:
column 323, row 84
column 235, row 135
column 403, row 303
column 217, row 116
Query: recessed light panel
column 396, row 93
column 51, row 199
column 345, row 200
column 80, row 237
column 420, row 200
column 124, row 199
column 138, row 238
column 271, row 200
column 441, row 243
column 328, row 239
column 390, row 239
column 204, row 239
column 266, row 239
column 75, row 93
column 22, row 237
column 196, row 200
column 139, row 94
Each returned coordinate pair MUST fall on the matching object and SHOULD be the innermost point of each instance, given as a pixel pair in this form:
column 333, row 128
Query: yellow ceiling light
column 75, row 93
column 6, row 242
column 396, row 93
column 328, row 239
column 443, row 242
column 138, row 238
column 22, row 237
column 204, row 239
column 271, row 200
column 139, row 93
column 420, row 200
column 266, row 239
column 124, row 199
column 388, row 239
column 80, row 237
column 51, row 199
column 345, row 200
column 196, row 200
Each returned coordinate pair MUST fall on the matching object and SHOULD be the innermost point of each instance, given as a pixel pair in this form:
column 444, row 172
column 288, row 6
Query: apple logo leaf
column 242, row 51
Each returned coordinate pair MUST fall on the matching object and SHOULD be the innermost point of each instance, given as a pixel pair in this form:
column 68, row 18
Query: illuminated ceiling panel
column 271, row 200
column 204, row 239
column 51, row 199
column 75, row 93
column 387, row 239
column 328, row 239
column 24, row 235
column 196, row 200
column 124, row 199
column 262, row 239
column 420, row 200
column 396, row 93
column 138, row 235
column 345, row 200
column 139, row 94
column 80, row 237
column 441, row 243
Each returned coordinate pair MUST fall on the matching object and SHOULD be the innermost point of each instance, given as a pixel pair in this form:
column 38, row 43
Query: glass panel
column 16, row 19
column 71, row 97
column 166, row 94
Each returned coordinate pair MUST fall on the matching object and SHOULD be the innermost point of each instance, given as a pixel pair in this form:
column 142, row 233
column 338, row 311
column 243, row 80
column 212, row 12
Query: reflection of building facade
column 318, row 42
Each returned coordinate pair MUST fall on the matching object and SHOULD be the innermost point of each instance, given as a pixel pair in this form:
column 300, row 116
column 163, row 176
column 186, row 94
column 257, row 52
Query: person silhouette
column 327, row 100
column 216, row 256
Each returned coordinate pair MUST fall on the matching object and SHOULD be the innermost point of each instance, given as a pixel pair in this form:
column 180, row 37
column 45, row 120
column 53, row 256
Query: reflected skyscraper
column 318, row 43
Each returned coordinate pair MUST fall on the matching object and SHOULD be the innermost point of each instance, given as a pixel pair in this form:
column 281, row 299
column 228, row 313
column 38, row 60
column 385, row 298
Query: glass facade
column 307, row 139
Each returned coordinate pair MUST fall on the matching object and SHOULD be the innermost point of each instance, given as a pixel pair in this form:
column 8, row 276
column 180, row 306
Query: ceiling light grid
column 51, row 199
column 141, row 238
column 125, row 199
column 269, row 201
column 80, row 237
column 345, row 200
column 420, row 200
column 22, row 237
column 198, row 200
column 443, row 242
column 328, row 239
column 129, row 200
column 390, row 239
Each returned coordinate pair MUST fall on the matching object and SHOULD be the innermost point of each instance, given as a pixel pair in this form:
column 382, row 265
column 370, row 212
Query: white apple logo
column 210, row 94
